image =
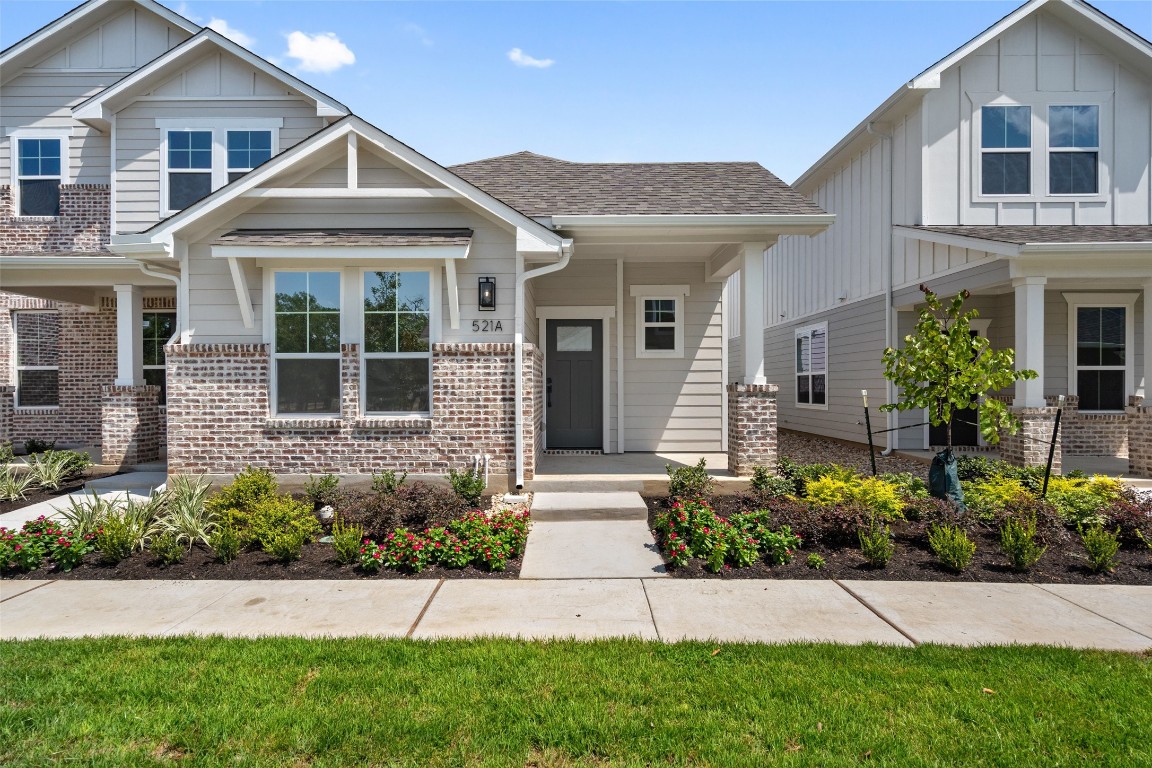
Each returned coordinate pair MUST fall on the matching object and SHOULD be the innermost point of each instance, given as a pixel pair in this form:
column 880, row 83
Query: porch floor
column 641, row 472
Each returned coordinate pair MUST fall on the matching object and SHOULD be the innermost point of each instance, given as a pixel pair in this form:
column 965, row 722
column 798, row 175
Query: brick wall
column 1029, row 446
column 218, row 407
column 752, row 413
column 131, row 426
column 1091, row 434
column 1139, row 415
column 81, row 226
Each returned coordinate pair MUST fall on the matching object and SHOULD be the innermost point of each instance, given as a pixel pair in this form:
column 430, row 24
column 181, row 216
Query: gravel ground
column 809, row 449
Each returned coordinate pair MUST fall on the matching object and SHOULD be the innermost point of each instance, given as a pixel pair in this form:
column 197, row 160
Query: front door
column 964, row 426
column 574, row 391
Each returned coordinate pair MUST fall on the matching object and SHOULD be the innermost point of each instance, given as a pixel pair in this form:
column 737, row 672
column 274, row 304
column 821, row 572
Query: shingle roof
column 345, row 237
column 545, row 186
column 1051, row 235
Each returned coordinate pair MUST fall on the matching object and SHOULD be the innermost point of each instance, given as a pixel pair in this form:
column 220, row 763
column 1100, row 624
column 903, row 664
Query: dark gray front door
column 574, row 391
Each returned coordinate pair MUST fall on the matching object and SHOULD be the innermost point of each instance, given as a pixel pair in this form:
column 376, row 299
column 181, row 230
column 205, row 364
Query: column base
column 1029, row 446
column 751, row 427
column 1139, row 437
column 130, row 425
column 7, row 410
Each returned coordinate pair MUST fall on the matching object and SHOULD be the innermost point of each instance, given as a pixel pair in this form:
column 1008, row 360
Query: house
column 1019, row 168
column 203, row 254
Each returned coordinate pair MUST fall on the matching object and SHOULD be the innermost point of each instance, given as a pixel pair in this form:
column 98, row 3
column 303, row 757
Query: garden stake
column 868, row 426
column 1052, row 446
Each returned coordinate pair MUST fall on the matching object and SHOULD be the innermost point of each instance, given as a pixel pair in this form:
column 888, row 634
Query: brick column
column 1029, row 446
column 1139, row 437
column 7, row 401
column 751, row 427
column 130, row 419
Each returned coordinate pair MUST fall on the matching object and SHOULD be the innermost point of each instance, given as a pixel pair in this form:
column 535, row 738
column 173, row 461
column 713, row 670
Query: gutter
column 521, row 280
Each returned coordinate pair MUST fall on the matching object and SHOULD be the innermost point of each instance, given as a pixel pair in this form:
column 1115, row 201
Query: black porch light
column 487, row 294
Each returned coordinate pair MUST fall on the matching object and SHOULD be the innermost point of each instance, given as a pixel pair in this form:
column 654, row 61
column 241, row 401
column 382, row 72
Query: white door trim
column 603, row 314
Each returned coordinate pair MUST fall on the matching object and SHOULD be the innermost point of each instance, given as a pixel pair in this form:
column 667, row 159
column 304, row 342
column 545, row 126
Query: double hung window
column 158, row 329
column 659, row 320
column 37, row 359
column 201, row 155
column 397, row 342
column 306, row 346
column 1074, row 150
column 38, row 176
column 1101, row 357
column 246, row 150
column 189, row 167
column 1006, row 150
column 812, row 365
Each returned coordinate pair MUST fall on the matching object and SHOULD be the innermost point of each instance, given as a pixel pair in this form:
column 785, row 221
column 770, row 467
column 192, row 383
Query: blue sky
column 775, row 82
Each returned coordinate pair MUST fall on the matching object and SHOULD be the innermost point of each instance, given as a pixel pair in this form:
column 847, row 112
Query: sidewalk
column 770, row 611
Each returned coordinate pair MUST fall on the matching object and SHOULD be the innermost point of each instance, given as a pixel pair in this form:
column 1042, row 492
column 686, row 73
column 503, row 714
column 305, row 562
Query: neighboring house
column 1018, row 167
column 199, row 248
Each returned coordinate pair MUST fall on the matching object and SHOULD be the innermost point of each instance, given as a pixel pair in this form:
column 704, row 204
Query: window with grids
column 1074, row 150
column 246, row 150
column 812, row 365
column 37, row 359
column 38, row 176
column 158, row 329
column 397, row 342
column 1006, row 150
column 306, row 346
column 1101, row 358
column 189, row 167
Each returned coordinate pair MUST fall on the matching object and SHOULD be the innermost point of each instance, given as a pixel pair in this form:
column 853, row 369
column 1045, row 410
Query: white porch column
column 752, row 304
column 1030, row 339
column 1144, row 378
column 129, row 338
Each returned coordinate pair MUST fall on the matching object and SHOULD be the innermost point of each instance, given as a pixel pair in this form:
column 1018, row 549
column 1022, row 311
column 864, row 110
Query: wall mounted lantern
column 487, row 294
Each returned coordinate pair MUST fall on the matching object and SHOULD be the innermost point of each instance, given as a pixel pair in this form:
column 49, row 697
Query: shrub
column 33, row 446
column 51, row 469
column 1018, row 540
column 468, row 484
column 879, row 496
column 415, row 506
column 1134, row 518
column 14, row 483
column 68, row 548
column 933, row 510
column 120, row 534
column 1050, row 526
column 166, row 548
column 986, row 497
column 405, row 550
column 273, row 517
column 186, row 515
column 815, row 562
column 768, row 485
column 7, row 455
column 817, row 523
column 779, row 546
column 321, row 491
column 248, row 489
column 371, row 557
column 346, row 540
column 689, row 482
column 285, row 544
column 952, row 546
column 1082, row 501
column 447, row 549
column 387, row 481
column 909, row 486
column 802, row 474
column 1102, row 546
column 876, row 543
column 225, row 543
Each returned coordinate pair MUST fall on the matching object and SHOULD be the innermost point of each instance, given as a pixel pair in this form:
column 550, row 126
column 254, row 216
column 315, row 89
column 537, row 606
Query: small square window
column 659, row 326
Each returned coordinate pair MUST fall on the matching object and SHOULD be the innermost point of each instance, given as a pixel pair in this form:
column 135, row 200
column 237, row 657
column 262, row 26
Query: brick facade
column 1091, row 434
column 1139, row 415
column 82, row 225
column 131, row 426
column 219, row 415
column 1029, row 446
column 751, row 427
column 7, row 392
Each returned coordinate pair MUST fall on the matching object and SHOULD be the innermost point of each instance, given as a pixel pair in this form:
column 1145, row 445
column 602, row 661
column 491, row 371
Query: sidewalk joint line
column 651, row 613
column 29, row 591
column 1094, row 613
column 201, row 609
column 882, row 617
column 424, row 610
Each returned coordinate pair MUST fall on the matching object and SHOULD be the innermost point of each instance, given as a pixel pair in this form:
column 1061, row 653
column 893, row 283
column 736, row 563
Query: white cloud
column 418, row 32
column 230, row 32
column 521, row 59
column 322, row 52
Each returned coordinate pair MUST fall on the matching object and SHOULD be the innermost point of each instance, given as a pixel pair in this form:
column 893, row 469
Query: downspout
column 521, row 280
column 175, row 279
column 889, row 315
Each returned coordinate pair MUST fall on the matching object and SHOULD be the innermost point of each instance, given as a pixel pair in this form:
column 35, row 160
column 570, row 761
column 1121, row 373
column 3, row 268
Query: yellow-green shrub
column 1083, row 501
column 249, row 488
column 986, row 497
column 262, row 523
column 882, row 497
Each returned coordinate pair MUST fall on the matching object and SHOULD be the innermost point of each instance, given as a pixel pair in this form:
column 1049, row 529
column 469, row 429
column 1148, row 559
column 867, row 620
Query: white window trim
column 1040, row 150
column 219, row 128
column 434, row 289
column 676, row 293
column 63, row 134
column 270, row 339
column 16, row 368
column 1124, row 300
column 807, row 330
column 1030, row 150
column 1049, row 149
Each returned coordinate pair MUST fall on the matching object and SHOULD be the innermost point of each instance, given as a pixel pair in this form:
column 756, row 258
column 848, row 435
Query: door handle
column 549, row 391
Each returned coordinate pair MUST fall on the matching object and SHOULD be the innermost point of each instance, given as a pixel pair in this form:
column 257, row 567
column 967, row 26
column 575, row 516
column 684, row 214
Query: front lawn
column 284, row 702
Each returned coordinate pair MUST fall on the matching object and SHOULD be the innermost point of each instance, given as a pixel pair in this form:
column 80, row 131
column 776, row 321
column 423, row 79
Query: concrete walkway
column 770, row 611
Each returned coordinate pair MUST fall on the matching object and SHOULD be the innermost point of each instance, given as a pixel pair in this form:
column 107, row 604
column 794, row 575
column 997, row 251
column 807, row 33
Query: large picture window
column 306, row 343
column 397, row 342
column 158, row 329
column 37, row 359
column 38, row 176
column 1074, row 150
column 812, row 366
column 1006, row 150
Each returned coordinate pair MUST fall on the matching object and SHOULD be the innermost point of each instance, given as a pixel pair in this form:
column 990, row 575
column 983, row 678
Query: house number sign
column 487, row 326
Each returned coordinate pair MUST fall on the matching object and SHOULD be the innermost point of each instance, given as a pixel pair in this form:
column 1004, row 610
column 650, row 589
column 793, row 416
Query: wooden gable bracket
column 243, row 297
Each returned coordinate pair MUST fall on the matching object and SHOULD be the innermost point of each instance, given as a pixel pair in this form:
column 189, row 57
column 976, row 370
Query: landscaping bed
column 37, row 495
column 46, row 475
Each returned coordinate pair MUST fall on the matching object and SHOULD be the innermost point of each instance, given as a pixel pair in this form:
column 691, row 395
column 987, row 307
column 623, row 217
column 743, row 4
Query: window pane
column 396, row 386
column 573, row 338
column 291, row 291
column 413, row 293
column 324, row 291
column 803, row 359
column 1112, row 335
column 307, row 386
column 234, row 175
column 248, row 149
column 659, row 310
column 660, row 338
column 38, row 388
column 379, row 332
column 819, row 350
column 1101, row 390
column 150, row 353
column 292, row 333
column 39, row 197
column 323, row 332
column 1006, row 127
column 1072, row 173
column 803, row 395
column 190, row 149
column 818, row 394
column 1074, row 126
column 184, row 189
column 1087, row 336
column 412, row 332
column 156, row 377
column 37, row 338
column 380, row 290
column 1006, row 173
column 39, row 157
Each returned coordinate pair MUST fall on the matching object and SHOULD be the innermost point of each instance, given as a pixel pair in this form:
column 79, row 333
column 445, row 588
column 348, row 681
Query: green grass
column 285, row 702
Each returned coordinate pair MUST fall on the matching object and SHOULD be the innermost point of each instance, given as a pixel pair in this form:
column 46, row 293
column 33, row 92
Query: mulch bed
column 1063, row 563
column 36, row 495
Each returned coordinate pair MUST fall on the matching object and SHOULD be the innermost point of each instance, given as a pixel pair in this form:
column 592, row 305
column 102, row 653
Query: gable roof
column 1121, row 41
column 96, row 109
column 21, row 53
column 546, row 186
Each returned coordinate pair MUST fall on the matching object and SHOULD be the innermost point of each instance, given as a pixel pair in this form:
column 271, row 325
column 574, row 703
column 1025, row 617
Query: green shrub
column 880, row 496
column 67, row 548
column 985, row 498
column 286, row 544
column 815, row 562
column 33, row 446
column 1083, row 501
column 802, row 474
column 1018, row 540
column 248, row 489
column 769, row 485
column 51, row 469
column 14, row 484
column 1102, row 546
column 225, row 543
column 272, row 517
column 321, row 491
column 186, row 515
column 689, row 482
column 468, row 484
column 119, row 536
column 166, row 548
column 911, row 487
column 347, row 540
column 876, row 543
column 779, row 546
column 952, row 546
column 7, row 455
column 387, row 481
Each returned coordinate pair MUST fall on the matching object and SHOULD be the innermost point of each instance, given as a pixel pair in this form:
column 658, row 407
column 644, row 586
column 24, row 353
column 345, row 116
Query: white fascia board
column 779, row 224
column 341, row 252
column 959, row 241
column 109, row 100
column 15, row 262
column 1057, row 248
